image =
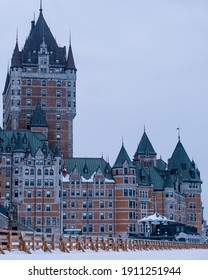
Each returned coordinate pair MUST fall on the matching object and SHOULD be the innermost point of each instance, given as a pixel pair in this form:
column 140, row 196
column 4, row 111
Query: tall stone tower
column 42, row 73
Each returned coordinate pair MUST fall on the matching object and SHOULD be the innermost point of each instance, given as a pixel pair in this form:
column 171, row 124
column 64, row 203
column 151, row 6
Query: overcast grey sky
column 140, row 62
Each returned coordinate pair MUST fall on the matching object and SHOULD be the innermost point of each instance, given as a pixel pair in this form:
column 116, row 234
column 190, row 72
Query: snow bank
column 192, row 254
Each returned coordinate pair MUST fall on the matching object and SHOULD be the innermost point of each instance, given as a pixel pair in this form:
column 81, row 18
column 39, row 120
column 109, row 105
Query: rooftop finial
column 41, row 5
column 179, row 136
column 144, row 128
column 69, row 37
column 17, row 36
column 122, row 141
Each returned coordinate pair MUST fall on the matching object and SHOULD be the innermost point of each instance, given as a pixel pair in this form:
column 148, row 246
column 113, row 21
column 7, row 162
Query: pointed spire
column 38, row 119
column 70, row 65
column 145, row 147
column 16, row 57
column 17, row 36
column 121, row 158
column 179, row 136
column 41, row 6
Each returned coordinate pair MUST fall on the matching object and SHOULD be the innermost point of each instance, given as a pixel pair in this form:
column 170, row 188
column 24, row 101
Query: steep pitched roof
column 145, row 147
column 169, row 182
column 33, row 141
column 40, row 31
column 70, row 60
column 181, row 163
column 121, row 158
column 16, row 60
column 38, row 119
column 92, row 164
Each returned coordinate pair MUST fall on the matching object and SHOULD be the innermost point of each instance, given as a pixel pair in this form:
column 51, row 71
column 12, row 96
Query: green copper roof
column 156, row 178
column 122, row 157
column 19, row 148
column 38, row 119
column 3, row 210
column 88, row 166
column 182, row 165
column 169, row 181
column 142, row 177
column 145, row 147
column 20, row 141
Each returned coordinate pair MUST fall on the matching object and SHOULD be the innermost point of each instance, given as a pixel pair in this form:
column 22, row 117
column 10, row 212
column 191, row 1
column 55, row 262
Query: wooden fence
column 30, row 241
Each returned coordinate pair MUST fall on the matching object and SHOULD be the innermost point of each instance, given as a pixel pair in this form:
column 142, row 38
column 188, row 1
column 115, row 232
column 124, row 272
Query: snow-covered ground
column 193, row 254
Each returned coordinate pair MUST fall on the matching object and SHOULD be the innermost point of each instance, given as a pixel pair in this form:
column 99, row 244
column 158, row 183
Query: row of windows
column 39, row 194
column 88, row 204
column 48, row 207
column 126, row 171
column 48, row 221
column 31, row 182
column 102, row 228
column 44, row 83
column 44, row 103
column 129, row 192
column 87, row 193
column 44, row 93
column 39, row 172
column 77, row 181
column 88, row 215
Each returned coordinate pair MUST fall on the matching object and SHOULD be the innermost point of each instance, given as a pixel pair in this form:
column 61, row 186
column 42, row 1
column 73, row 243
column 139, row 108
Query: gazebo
column 150, row 222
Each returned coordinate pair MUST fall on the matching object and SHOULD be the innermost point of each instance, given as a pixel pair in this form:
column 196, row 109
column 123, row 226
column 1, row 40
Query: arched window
column 46, row 171
column 51, row 172
column 39, row 172
column 26, row 171
column 125, row 170
column 32, row 172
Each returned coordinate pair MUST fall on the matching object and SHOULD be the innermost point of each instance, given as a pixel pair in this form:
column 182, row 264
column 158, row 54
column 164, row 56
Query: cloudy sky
column 140, row 63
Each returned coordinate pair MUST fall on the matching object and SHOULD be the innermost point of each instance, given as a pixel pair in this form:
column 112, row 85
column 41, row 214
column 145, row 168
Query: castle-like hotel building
column 43, row 187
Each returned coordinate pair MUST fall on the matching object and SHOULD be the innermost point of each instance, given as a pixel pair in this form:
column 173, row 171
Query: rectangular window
column 48, row 207
column 102, row 215
column 28, row 103
column 58, row 93
column 48, row 194
column 29, row 193
column 90, row 215
column 110, row 215
column 53, row 221
column 126, row 180
column 58, row 104
column 102, row 204
column 84, row 204
column 39, row 182
column 43, row 92
column 102, row 228
column 132, row 215
column 48, row 221
column 29, row 92
column 72, row 215
column 110, row 193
